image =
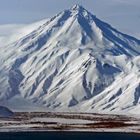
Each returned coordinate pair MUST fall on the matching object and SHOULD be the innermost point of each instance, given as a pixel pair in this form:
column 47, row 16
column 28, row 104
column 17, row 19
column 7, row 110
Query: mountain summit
column 77, row 7
column 73, row 62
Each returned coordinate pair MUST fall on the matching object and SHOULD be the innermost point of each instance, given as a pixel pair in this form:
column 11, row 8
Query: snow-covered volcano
column 73, row 62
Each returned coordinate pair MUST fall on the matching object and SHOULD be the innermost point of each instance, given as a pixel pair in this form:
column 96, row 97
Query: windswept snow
column 12, row 32
column 73, row 62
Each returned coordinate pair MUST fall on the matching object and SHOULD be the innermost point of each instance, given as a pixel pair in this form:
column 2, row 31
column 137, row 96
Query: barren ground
column 48, row 121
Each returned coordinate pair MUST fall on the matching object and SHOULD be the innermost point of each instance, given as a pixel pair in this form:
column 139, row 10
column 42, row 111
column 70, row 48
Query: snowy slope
column 12, row 32
column 5, row 112
column 73, row 62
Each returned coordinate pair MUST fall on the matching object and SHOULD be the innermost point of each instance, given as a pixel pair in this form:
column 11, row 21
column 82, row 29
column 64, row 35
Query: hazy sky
column 122, row 14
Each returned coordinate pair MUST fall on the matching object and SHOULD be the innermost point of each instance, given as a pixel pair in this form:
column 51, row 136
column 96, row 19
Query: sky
column 121, row 14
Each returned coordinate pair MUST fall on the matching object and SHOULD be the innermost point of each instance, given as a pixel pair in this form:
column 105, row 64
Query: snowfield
column 73, row 62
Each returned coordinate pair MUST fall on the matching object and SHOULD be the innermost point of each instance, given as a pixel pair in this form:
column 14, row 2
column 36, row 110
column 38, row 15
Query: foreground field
column 48, row 121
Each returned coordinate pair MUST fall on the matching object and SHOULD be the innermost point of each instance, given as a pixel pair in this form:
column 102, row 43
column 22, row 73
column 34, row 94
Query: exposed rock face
column 5, row 112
